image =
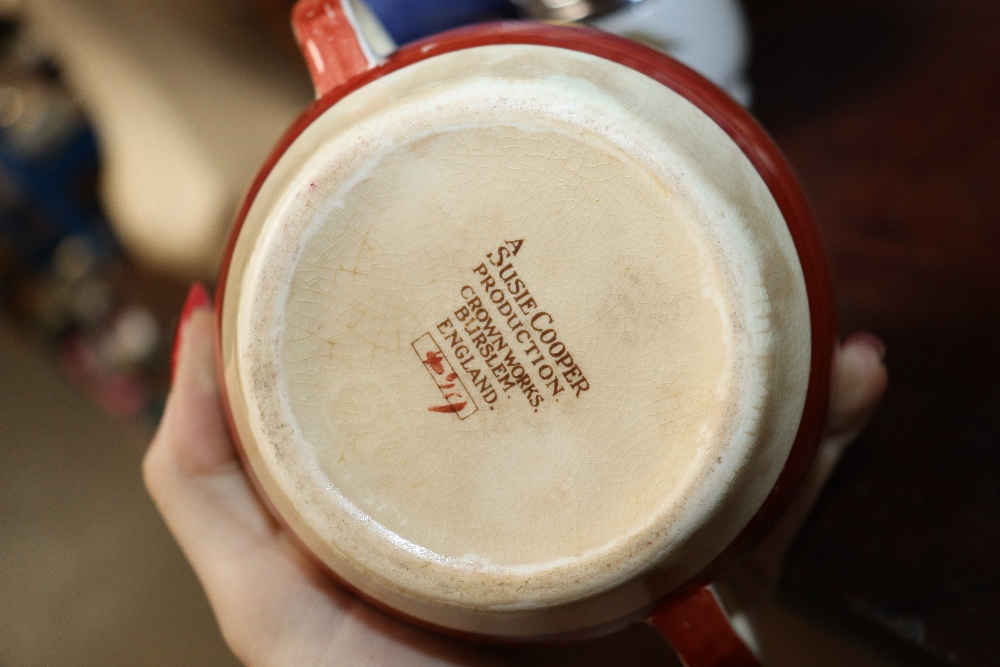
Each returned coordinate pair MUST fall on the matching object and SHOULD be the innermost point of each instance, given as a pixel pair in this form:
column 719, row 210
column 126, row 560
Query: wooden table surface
column 888, row 111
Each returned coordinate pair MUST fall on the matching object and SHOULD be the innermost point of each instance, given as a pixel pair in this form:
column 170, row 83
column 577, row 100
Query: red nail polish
column 869, row 339
column 197, row 299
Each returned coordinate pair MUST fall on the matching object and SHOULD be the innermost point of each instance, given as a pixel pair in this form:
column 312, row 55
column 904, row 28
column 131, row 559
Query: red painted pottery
column 525, row 331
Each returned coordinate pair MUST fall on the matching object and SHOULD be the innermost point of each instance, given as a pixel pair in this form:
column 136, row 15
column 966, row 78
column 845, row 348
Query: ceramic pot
column 525, row 331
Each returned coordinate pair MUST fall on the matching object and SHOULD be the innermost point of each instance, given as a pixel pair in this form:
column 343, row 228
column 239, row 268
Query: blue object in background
column 407, row 20
column 53, row 196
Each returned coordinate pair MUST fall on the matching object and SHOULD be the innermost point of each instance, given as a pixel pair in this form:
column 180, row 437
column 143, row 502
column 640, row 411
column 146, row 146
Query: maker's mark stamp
column 456, row 399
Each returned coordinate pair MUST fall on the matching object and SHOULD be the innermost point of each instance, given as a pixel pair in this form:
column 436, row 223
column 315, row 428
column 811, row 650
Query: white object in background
column 187, row 98
column 709, row 36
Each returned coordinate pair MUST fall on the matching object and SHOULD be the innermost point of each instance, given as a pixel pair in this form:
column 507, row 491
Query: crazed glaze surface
column 543, row 460
column 644, row 241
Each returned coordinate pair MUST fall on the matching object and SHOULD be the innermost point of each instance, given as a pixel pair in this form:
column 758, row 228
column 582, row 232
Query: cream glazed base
column 516, row 340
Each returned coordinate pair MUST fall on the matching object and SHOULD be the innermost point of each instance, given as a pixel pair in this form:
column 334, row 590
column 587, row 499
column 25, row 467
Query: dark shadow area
column 811, row 56
column 888, row 111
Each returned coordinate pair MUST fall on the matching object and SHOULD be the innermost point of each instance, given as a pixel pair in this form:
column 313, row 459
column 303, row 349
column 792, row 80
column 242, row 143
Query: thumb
column 858, row 383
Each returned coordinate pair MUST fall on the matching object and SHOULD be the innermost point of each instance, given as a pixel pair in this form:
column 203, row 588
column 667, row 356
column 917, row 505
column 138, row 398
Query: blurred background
column 129, row 130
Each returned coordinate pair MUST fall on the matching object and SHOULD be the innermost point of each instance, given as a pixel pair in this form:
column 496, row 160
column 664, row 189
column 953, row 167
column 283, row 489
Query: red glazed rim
column 741, row 128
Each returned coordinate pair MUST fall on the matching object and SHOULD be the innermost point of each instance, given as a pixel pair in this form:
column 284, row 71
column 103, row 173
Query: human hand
column 275, row 607
column 859, row 379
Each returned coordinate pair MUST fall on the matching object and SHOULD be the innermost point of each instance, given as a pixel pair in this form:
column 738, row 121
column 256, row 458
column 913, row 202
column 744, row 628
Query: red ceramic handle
column 332, row 40
column 698, row 628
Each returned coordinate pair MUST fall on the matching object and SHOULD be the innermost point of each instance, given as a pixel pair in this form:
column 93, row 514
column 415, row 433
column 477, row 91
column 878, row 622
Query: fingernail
column 197, row 299
column 869, row 339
